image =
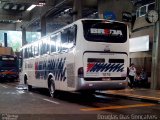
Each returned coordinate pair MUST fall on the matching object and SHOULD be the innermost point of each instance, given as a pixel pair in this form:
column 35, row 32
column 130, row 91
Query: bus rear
column 8, row 67
column 105, row 55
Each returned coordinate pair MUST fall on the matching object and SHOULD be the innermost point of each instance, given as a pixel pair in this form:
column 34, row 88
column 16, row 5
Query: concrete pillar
column 155, row 75
column 24, row 36
column 5, row 40
column 43, row 26
column 77, row 9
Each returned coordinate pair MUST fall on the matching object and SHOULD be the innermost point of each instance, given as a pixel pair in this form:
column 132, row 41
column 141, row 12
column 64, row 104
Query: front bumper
column 9, row 76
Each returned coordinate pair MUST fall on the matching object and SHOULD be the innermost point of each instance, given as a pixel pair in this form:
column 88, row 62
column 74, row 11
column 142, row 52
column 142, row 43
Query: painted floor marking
column 51, row 101
column 116, row 107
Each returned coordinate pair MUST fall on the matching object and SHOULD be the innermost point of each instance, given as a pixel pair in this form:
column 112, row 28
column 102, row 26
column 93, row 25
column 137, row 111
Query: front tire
column 26, row 83
column 25, row 80
column 29, row 87
column 51, row 88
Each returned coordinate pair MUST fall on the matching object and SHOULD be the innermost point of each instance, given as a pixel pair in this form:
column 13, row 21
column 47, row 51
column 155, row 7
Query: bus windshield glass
column 104, row 31
column 8, row 62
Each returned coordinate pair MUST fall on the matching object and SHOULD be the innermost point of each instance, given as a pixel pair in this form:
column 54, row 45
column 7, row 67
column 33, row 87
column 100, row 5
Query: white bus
column 86, row 55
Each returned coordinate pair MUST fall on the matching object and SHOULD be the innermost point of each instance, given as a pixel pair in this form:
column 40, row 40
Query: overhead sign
column 109, row 15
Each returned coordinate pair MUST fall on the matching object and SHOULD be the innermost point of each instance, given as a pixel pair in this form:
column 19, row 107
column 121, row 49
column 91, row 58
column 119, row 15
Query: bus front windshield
column 104, row 31
column 8, row 62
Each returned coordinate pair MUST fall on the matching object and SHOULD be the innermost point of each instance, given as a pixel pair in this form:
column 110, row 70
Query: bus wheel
column 29, row 87
column 25, row 80
column 51, row 88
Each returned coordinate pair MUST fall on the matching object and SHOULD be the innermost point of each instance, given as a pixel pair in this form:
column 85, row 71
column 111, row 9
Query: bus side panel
column 66, row 75
column 39, row 73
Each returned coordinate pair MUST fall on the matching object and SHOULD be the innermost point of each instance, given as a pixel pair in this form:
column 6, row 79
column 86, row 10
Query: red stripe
column 90, row 66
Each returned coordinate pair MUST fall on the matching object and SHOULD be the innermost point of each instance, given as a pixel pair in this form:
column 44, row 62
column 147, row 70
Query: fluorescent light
column 31, row 7
column 6, row 7
column 22, row 8
column 19, row 20
column 14, row 7
column 42, row 3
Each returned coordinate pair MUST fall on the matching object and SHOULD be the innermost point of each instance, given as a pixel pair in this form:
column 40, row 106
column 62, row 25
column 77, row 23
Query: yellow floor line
column 131, row 95
column 116, row 107
column 138, row 96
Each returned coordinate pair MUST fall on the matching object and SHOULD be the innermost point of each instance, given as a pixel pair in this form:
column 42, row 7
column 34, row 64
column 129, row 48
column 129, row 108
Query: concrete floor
column 16, row 102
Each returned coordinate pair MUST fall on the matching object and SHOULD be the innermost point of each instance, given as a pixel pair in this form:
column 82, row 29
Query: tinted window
column 45, row 47
column 26, row 52
column 64, row 39
column 55, row 42
column 36, row 49
column 101, row 31
column 72, row 36
column 68, row 37
column 30, row 51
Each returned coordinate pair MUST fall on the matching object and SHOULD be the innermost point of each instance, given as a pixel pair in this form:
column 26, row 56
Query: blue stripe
column 54, row 66
column 108, row 67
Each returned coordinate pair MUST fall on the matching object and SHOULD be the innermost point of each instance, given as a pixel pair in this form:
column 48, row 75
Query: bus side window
column 45, row 46
column 58, row 42
column 26, row 53
column 41, row 48
column 32, row 51
column 36, row 49
column 30, row 54
column 53, row 43
column 68, row 37
column 64, row 39
column 72, row 36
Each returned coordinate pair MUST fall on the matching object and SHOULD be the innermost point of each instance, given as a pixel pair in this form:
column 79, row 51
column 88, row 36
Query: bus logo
column 107, row 32
column 55, row 66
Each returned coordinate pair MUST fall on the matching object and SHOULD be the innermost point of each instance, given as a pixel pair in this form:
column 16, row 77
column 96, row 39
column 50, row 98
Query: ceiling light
column 41, row 3
column 31, row 7
column 22, row 8
column 19, row 20
column 6, row 7
column 14, row 7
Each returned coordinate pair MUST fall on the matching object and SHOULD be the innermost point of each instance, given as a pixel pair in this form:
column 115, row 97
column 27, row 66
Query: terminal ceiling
column 13, row 11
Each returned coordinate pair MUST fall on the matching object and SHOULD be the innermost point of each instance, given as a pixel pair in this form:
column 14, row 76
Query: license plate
column 106, row 74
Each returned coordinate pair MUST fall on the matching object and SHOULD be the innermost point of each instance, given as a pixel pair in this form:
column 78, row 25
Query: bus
column 87, row 55
column 9, row 68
